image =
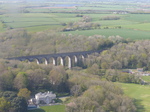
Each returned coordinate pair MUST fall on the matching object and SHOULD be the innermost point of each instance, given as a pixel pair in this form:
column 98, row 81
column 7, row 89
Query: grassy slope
column 138, row 17
column 54, row 108
column 126, row 33
column 142, row 26
column 141, row 21
column 140, row 93
column 146, row 78
column 1, row 27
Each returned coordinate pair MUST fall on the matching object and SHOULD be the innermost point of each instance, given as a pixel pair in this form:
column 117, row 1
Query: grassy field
column 1, row 27
column 134, row 26
column 140, row 93
column 140, row 27
column 138, row 17
column 146, row 78
column 54, row 108
column 126, row 33
column 37, row 21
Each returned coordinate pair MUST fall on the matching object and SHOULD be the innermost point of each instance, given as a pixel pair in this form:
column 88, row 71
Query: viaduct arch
column 69, row 59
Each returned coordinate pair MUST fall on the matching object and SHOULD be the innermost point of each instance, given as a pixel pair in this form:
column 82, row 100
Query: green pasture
column 141, row 18
column 38, row 21
column 112, row 23
column 140, row 93
column 146, row 78
column 39, row 10
column 126, row 33
column 108, row 6
column 130, row 21
column 43, row 27
column 141, row 26
column 97, row 17
column 1, row 27
column 54, row 108
column 102, row 7
column 134, row 26
column 48, row 10
column 115, row 6
column 125, row 19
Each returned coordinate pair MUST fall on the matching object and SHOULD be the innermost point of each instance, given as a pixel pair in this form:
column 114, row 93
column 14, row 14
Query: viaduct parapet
column 70, row 59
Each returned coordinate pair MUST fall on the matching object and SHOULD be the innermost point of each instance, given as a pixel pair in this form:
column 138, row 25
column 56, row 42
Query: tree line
column 130, row 55
column 18, row 42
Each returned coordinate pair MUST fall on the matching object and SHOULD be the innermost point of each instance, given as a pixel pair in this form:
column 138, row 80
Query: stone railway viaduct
column 70, row 59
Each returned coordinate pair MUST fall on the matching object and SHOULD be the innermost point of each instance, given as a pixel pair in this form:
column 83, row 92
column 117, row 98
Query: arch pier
column 65, row 59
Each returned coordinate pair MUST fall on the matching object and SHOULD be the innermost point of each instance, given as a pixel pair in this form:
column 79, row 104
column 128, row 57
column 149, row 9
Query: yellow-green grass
column 38, row 10
column 102, row 6
column 63, row 99
column 146, row 78
column 141, row 94
column 54, row 108
column 141, row 26
column 126, row 33
column 128, row 21
column 1, row 27
column 138, row 17
column 39, row 21
column 42, row 28
column 116, row 23
column 98, row 17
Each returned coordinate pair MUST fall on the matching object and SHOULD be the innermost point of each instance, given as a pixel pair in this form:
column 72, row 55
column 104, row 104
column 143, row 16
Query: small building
column 46, row 97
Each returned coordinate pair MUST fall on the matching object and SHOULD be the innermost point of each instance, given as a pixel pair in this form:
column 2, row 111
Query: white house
column 46, row 97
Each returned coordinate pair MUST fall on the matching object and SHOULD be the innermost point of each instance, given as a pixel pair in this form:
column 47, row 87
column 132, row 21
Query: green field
column 126, row 33
column 146, row 78
column 54, row 108
column 37, row 18
column 140, row 93
column 33, row 21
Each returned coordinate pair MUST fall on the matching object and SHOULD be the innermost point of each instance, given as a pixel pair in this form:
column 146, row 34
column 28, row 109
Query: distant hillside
column 76, row 0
